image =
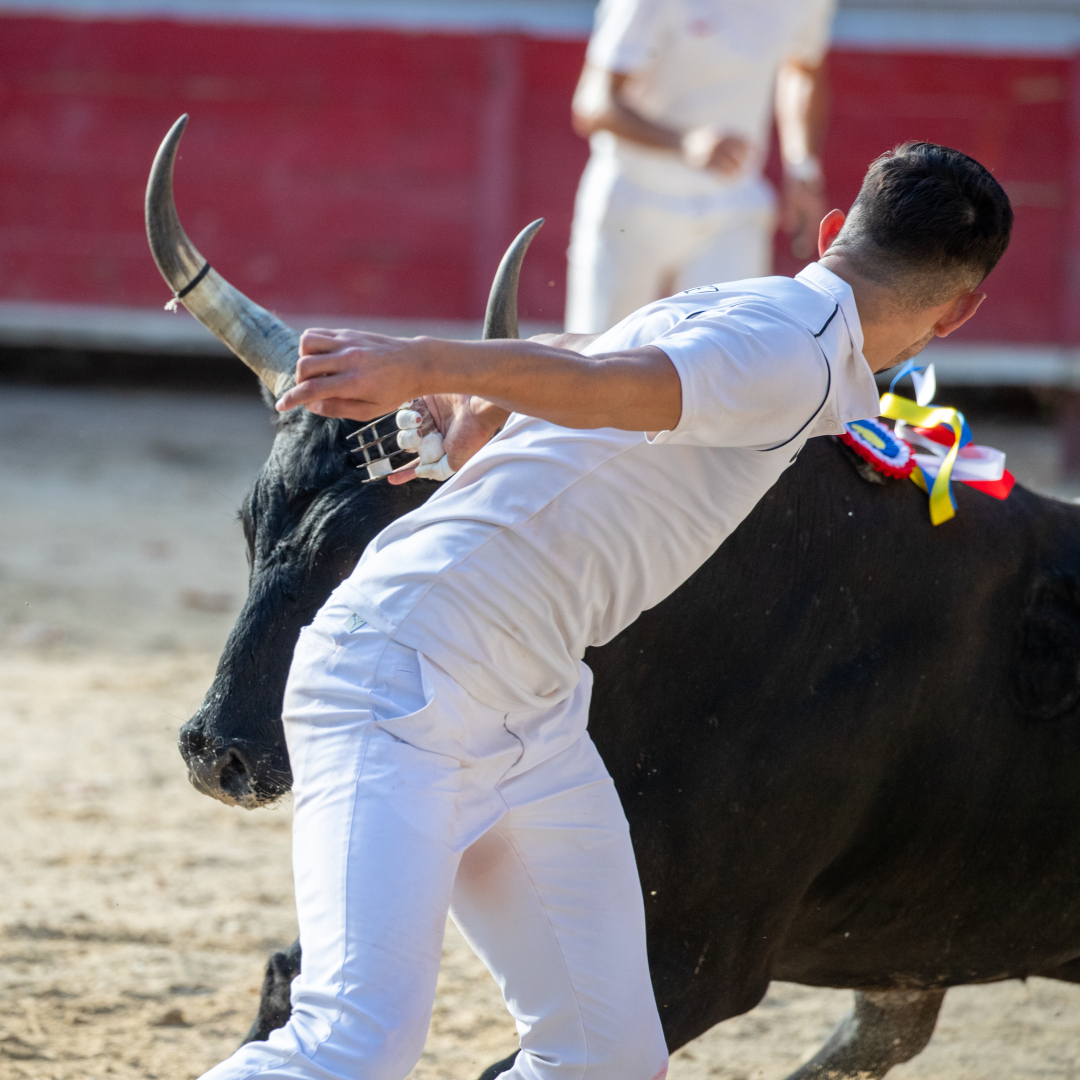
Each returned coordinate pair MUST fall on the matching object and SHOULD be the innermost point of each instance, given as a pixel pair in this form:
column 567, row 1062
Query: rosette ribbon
column 940, row 429
column 875, row 443
column 942, row 503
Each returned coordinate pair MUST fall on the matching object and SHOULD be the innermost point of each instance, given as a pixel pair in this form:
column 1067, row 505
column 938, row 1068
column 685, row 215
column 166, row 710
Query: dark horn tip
column 163, row 229
column 177, row 130
column 163, row 160
column 501, row 317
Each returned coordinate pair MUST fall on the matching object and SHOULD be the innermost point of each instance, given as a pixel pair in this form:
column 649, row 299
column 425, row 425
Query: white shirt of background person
column 675, row 98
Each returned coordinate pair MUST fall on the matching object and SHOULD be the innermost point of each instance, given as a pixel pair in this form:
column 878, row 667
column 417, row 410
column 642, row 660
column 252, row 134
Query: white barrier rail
column 144, row 330
column 1031, row 27
column 25, row 324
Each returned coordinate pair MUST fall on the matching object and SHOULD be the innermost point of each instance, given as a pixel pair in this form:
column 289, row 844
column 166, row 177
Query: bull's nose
column 236, row 771
column 224, row 772
column 234, row 775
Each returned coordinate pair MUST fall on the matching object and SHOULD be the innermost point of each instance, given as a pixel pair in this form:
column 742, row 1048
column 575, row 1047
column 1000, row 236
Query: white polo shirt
column 550, row 539
column 699, row 63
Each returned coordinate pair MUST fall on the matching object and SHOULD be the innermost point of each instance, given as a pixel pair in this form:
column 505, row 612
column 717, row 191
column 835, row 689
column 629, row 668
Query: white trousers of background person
column 411, row 799
column 630, row 247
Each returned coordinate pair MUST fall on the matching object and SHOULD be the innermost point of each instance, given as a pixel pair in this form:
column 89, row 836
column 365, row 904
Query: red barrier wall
column 1010, row 113
column 382, row 173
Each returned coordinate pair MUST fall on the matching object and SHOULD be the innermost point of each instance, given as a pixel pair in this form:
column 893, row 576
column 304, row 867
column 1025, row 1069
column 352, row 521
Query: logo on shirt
column 699, row 288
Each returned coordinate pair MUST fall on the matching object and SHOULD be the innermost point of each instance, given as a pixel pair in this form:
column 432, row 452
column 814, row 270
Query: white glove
column 408, row 438
column 434, row 464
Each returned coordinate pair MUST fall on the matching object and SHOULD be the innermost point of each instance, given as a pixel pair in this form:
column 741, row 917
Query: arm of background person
column 354, row 374
column 600, row 104
column 802, row 115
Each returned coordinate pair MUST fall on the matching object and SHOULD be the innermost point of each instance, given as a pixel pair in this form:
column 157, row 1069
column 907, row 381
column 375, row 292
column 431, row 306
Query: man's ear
column 829, row 229
column 961, row 309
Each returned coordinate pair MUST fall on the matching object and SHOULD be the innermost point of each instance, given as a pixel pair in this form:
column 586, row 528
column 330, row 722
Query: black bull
column 848, row 746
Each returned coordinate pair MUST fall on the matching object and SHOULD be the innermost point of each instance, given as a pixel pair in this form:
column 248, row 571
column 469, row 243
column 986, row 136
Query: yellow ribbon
column 898, row 408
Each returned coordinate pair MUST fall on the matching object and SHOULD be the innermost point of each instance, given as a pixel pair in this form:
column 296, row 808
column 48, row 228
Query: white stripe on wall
column 28, row 324
column 1046, row 28
column 540, row 18
column 1044, row 33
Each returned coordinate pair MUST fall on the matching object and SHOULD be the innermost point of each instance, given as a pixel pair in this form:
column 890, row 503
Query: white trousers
column 412, row 799
column 629, row 248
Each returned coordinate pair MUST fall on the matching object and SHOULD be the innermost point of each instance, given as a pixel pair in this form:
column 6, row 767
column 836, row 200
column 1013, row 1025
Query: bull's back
column 867, row 778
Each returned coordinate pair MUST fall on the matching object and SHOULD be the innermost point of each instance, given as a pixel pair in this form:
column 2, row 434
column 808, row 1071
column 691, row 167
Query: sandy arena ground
column 135, row 915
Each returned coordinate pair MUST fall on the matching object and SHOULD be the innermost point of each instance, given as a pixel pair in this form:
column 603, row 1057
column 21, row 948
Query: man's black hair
column 928, row 222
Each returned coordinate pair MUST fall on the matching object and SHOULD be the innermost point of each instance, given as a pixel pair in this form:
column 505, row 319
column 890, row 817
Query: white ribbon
column 925, row 385
column 972, row 463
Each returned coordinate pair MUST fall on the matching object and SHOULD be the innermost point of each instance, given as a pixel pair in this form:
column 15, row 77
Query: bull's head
column 307, row 519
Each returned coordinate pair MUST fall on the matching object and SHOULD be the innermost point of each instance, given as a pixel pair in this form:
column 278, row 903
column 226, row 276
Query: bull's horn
column 260, row 339
column 501, row 317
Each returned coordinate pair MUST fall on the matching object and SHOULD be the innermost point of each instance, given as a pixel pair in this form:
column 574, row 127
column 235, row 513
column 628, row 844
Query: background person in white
column 436, row 708
column 675, row 99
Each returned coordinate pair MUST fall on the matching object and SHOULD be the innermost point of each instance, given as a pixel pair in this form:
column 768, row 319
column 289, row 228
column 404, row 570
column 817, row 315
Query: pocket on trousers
column 452, row 723
column 408, row 698
column 333, row 668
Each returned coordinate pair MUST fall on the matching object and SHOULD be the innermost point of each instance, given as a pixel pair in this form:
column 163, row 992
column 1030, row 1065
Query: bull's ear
column 1048, row 674
column 501, row 317
column 260, row 339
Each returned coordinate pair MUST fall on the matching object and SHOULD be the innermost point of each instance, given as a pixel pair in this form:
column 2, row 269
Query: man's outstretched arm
column 350, row 373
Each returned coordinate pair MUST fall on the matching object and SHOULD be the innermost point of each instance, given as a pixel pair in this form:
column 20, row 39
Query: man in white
column 436, row 708
column 675, row 99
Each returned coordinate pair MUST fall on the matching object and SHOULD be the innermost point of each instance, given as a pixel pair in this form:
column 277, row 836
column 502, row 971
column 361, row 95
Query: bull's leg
column 274, row 1005
column 883, row 1029
column 499, row 1067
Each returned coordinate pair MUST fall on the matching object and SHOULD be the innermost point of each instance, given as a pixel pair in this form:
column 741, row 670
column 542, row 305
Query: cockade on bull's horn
column 270, row 347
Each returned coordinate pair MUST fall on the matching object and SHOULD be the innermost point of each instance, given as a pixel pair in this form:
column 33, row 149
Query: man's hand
column 466, row 423
column 361, row 376
column 601, row 104
column 704, row 148
column 354, row 374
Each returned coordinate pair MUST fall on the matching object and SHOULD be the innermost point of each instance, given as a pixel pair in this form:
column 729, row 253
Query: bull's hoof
column 499, row 1067
column 274, row 1005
